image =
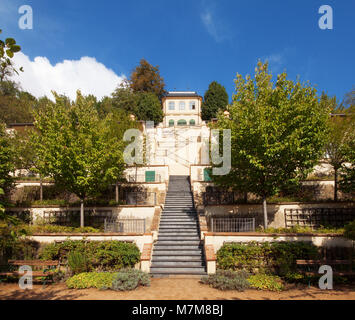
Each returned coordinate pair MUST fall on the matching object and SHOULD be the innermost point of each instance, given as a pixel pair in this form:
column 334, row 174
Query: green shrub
column 126, row 279
column 77, row 261
column 98, row 280
column 279, row 257
column 47, row 228
column 227, row 280
column 350, row 230
column 266, row 282
column 101, row 255
column 130, row 279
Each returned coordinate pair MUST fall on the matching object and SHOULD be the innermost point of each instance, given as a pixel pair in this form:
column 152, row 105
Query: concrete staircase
column 178, row 251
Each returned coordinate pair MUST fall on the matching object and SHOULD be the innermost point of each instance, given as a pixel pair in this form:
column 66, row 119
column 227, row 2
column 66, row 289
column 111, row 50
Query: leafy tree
column 146, row 78
column 341, row 134
column 125, row 98
column 82, row 152
column 278, row 132
column 149, row 108
column 15, row 105
column 215, row 99
column 7, row 50
column 6, row 161
column 350, row 100
column 347, row 182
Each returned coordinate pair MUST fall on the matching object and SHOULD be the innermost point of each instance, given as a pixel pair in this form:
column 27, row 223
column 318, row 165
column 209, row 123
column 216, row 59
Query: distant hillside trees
column 215, row 99
column 146, row 78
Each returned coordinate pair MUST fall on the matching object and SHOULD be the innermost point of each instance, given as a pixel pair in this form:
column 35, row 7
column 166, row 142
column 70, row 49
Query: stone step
column 180, row 243
column 177, row 238
column 178, row 220
column 163, row 236
column 177, row 224
column 179, row 216
column 181, row 212
column 175, row 229
column 177, row 253
column 178, row 264
column 178, row 230
column 187, row 271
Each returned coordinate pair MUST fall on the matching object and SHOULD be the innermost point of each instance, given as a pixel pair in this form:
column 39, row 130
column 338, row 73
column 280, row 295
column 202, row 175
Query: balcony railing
column 232, row 224
column 125, row 225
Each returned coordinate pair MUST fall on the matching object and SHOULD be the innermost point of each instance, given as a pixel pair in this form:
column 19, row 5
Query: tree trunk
column 40, row 189
column 265, row 212
column 245, row 197
column 82, row 213
column 335, row 184
column 117, row 194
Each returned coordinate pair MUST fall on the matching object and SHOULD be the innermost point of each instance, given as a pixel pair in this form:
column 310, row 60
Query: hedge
column 278, row 257
column 101, row 255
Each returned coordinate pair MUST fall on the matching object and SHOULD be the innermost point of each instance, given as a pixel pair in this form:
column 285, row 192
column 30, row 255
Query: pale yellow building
column 181, row 109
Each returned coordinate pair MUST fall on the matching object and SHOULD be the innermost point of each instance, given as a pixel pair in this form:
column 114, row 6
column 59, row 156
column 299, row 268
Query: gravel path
column 172, row 289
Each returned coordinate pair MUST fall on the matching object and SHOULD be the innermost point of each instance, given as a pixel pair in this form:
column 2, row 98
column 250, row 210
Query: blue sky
column 193, row 42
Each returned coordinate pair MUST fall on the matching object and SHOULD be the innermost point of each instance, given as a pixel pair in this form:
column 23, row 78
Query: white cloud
column 276, row 61
column 215, row 28
column 40, row 77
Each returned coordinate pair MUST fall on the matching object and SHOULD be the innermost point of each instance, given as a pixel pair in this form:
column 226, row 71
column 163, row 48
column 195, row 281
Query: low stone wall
column 320, row 240
column 129, row 212
column 318, row 189
column 138, row 239
column 276, row 212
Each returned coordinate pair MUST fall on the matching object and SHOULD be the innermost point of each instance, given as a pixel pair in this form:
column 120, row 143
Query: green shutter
column 207, row 174
column 150, row 176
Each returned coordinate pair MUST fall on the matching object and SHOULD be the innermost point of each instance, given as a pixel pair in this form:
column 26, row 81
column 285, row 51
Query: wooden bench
column 47, row 268
column 346, row 264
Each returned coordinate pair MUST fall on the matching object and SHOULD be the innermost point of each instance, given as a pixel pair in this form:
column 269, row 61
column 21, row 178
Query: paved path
column 171, row 289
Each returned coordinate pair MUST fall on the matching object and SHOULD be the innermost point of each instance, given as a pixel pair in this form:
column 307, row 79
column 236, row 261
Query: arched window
column 182, row 123
column 192, row 122
column 171, row 123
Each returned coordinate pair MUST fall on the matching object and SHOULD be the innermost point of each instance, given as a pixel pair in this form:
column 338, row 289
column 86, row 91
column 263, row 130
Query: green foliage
column 98, row 280
column 279, row 257
column 130, row 279
column 77, row 261
column 227, row 280
column 303, row 230
column 277, row 131
column 215, row 99
column 33, row 229
column 83, row 153
column 101, row 255
column 126, row 279
column 350, row 231
column 262, row 281
column 340, row 138
column 7, row 50
column 149, row 108
column 15, row 105
column 146, row 78
column 6, row 162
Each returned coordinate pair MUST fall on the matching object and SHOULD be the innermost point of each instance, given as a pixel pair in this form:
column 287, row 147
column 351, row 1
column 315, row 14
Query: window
column 192, row 122
column 150, row 176
column 182, row 123
column 192, row 105
column 171, row 105
column 182, row 105
column 171, row 123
